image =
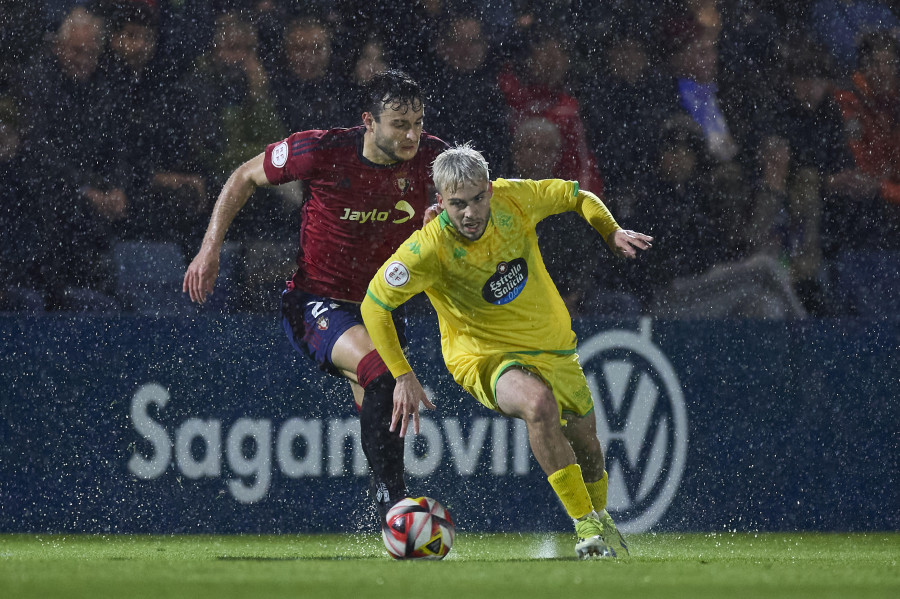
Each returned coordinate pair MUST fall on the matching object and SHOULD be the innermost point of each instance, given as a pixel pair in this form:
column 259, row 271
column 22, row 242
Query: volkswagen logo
column 641, row 422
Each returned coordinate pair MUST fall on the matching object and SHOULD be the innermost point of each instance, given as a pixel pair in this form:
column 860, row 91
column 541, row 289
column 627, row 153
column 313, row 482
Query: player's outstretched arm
column 626, row 244
column 623, row 243
column 203, row 270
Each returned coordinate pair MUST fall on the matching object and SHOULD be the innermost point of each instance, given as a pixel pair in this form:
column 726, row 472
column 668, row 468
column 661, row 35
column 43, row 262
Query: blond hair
column 457, row 166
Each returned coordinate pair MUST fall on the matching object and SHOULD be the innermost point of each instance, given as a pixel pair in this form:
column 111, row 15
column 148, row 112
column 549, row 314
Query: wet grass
column 518, row 566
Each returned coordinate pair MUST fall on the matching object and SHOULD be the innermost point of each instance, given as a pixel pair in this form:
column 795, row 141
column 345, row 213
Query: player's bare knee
column 541, row 407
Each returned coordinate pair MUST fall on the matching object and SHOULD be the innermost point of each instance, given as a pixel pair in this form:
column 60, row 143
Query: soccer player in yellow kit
column 506, row 335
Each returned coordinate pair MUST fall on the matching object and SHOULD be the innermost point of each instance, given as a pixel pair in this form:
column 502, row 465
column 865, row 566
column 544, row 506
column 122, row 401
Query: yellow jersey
column 492, row 295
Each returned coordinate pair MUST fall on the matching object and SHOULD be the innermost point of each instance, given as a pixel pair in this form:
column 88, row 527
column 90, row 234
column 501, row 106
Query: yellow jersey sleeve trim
column 371, row 296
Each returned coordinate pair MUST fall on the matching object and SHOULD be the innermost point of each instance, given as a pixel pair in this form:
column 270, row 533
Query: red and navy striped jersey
column 356, row 213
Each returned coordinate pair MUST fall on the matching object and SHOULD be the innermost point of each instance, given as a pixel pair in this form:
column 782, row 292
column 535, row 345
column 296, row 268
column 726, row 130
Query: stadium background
column 786, row 425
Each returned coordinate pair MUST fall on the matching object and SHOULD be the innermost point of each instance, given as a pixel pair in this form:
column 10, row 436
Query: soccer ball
column 419, row 528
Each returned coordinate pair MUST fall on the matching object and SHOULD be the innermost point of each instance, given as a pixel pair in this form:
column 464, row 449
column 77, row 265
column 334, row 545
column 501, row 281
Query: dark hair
column 394, row 89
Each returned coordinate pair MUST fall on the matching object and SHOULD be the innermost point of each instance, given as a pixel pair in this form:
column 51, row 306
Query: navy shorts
column 313, row 324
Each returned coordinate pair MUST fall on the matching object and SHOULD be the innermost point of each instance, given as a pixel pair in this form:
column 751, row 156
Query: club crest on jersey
column 403, row 184
column 507, row 283
column 322, row 323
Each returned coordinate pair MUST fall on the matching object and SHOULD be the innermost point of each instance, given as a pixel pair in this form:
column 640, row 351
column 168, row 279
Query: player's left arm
column 624, row 243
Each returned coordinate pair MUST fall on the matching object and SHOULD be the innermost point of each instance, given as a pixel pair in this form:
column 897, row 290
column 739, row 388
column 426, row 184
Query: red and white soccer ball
column 419, row 528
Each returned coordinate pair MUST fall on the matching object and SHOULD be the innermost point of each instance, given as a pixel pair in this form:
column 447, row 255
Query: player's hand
column 431, row 213
column 201, row 275
column 625, row 244
column 408, row 392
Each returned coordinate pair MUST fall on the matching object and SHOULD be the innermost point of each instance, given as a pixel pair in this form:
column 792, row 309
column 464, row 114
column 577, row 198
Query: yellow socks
column 597, row 491
column 577, row 496
column 569, row 486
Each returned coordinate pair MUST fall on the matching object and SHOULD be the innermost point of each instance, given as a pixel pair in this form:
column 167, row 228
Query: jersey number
column 318, row 308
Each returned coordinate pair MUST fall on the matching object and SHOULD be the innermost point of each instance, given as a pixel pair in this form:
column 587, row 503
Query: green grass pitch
column 496, row 566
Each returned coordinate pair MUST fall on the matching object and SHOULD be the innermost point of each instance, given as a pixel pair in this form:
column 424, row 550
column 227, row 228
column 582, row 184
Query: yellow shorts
column 478, row 375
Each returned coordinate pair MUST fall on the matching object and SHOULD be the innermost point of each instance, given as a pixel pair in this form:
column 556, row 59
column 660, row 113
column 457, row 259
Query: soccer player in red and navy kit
column 368, row 189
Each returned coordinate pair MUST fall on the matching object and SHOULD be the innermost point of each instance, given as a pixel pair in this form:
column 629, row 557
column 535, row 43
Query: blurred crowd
column 758, row 141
